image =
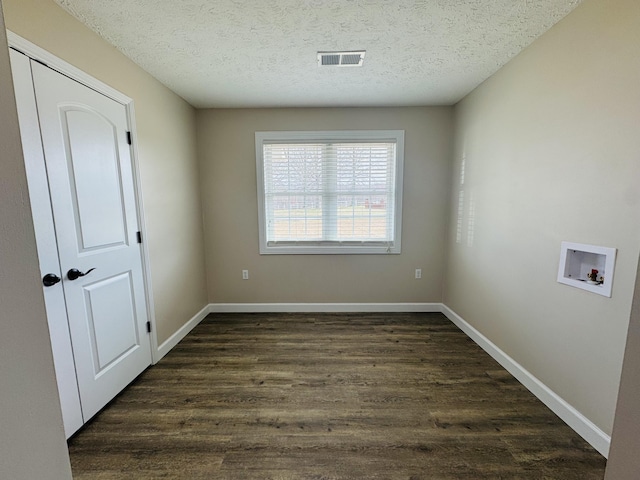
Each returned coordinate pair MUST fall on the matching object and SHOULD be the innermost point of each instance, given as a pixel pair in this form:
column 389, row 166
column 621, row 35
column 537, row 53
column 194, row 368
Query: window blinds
column 329, row 192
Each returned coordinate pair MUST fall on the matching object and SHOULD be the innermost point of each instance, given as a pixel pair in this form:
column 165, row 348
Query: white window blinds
column 331, row 195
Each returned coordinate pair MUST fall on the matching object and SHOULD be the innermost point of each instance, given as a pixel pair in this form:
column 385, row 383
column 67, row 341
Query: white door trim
column 41, row 55
column 46, row 242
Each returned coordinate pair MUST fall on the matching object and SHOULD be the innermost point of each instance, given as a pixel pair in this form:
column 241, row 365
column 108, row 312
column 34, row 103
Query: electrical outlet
column 245, row 274
column 418, row 273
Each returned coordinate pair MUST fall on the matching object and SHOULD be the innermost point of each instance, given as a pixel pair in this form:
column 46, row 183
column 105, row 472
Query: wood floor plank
column 329, row 396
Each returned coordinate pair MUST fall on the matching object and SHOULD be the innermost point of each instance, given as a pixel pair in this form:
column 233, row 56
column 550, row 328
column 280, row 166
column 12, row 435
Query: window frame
column 336, row 136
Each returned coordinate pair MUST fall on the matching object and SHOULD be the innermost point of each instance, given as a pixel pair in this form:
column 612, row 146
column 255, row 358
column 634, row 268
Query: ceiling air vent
column 341, row 59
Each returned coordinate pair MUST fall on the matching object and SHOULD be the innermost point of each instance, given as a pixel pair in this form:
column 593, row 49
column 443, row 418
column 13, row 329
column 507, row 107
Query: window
column 330, row 192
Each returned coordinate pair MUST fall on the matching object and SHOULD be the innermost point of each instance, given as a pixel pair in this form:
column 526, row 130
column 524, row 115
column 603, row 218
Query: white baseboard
column 572, row 417
column 174, row 339
column 322, row 307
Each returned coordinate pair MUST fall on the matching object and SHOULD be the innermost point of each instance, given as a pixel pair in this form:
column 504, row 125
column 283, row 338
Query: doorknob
column 74, row 273
column 50, row 279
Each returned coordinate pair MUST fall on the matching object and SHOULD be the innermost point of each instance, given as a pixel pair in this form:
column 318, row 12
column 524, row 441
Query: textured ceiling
column 262, row 53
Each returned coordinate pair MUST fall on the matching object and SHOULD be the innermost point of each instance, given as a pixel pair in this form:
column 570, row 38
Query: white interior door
column 91, row 187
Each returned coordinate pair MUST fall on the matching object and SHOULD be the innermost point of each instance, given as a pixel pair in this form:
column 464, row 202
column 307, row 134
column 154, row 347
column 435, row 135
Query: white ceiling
column 262, row 53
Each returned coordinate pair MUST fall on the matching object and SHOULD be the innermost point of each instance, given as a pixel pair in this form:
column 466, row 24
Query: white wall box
column 589, row 267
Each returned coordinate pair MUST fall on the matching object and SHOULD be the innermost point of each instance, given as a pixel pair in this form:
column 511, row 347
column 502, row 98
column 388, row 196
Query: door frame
column 43, row 56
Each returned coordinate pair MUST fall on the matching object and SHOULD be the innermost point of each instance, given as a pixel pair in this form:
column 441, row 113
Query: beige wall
column 167, row 155
column 32, row 441
column 550, row 149
column 624, row 461
column 226, row 150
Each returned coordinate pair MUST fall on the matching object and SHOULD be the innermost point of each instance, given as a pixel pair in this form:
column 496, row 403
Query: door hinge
column 139, row 236
column 129, row 141
column 148, row 327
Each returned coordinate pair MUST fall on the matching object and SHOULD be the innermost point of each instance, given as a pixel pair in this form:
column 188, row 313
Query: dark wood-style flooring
column 329, row 396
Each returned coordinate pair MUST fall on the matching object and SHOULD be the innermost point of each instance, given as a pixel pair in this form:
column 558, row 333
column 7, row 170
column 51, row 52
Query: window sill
column 288, row 249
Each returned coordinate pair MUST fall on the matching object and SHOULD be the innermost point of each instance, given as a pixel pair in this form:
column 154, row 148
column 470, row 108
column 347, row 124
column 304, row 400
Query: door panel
column 88, row 162
column 111, row 324
column 94, row 169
